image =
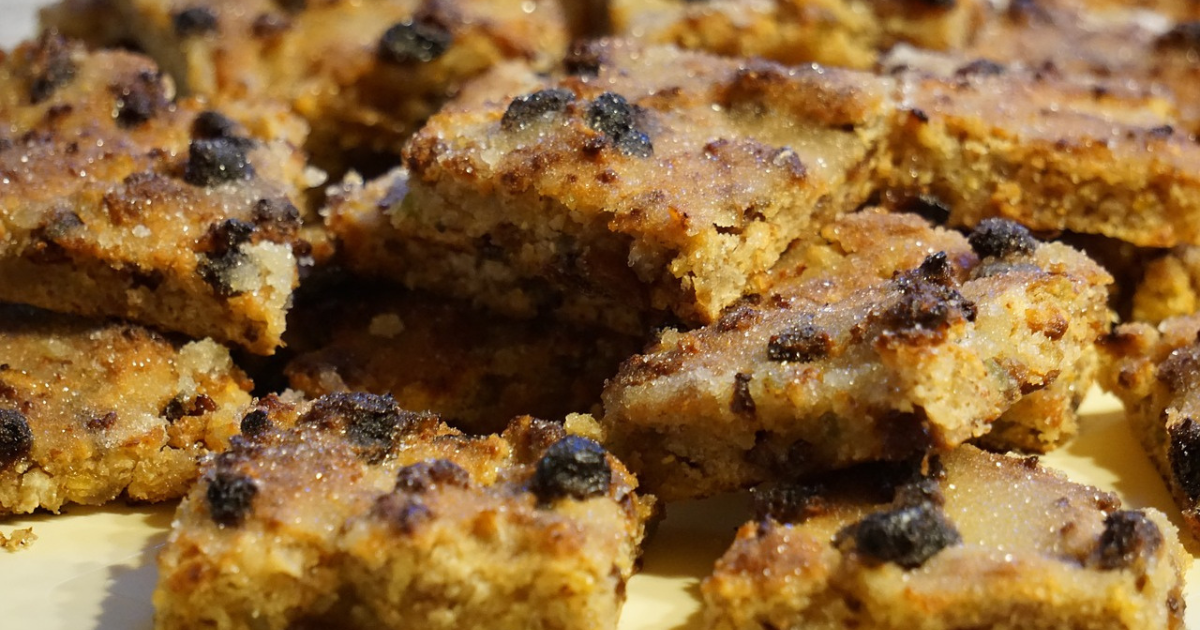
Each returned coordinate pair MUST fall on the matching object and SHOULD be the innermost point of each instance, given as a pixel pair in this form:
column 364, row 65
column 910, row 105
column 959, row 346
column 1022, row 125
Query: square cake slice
column 895, row 339
column 848, row 33
column 364, row 74
column 1156, row 374
column 350, row 512
column 90, row 410
column 644, row 181
column 118, row 200
column 970, row 540
column 1048, row 152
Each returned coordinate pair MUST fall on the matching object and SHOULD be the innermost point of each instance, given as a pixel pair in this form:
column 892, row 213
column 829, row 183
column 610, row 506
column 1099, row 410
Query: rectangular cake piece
column 644, row 181
column 349, row 512
column 1048, row 152
column 970, row 540
column 364, row 74
column 848, row 33
column 895, row 339
column 90, row 410
column 118, row 200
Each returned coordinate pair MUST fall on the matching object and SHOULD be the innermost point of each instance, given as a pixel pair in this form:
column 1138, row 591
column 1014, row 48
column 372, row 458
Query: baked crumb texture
column 364, row 74
column 18, row 539
column 477, row 370
column 643, row 181
column 90, row 411
column 973, row 540
column 350, row 512
column 847, row 33
column 894, row 338
column 118, row 200
column 1156, row 374
column 1169, row 286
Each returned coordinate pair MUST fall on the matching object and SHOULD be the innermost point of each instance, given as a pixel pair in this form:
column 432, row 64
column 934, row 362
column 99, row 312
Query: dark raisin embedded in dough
column 194, row 21
column 16, row 439
column 52, row 68
column 525, row 110
column 980, row 68
column 743, row 401
column 210, row 124
column 404, row 512
column 370, row 421
column 228, row 235
column 572, row 467
column 141, row 99
column 217, row 160
column 1184, row 455
column 801, row 343
column 613, row 116
column 789, row 503
column 423, row 476
column 277, row 216
column 257, row 422
column 414, row 42
column 218, row 273
column 1001, row 237
column 928, row 299
column 907, row 536
column 230, row 496
column 1128, row 537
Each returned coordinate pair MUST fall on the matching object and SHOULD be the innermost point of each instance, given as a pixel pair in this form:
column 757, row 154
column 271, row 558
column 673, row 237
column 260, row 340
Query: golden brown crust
column 119, row 201
column 90, row 411
column 982, row 541
column 349, row 508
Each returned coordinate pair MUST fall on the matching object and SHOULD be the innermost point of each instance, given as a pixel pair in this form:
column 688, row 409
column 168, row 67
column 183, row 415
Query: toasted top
column 70, row 387
column 656, row 143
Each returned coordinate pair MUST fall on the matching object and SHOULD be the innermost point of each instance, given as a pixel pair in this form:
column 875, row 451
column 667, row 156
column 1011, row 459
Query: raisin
column 278, row 218
column 1000, row 238
column 209, row 125
column 194, row 21
column 907, row 536
column 980, row 68
column 179, row 407
column 140, row 100
column 1127, row 535
column 525, row 110
column 218, row 272
column 370, row 421
column 255, row 423
column 409, row 42
column 613, row 116
column 216, row 161
column 404, row 512
column 423, row 476
column 802, row 343
column 928, row 299
column 52, row 68
column 743, row 401
column 228, row 235
column 230, row 496
column 16, row 439
column 1184, row 455
column 789, row 503
column 572, row 467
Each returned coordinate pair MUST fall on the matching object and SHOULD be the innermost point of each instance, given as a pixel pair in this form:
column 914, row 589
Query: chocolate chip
column 209, row 125
column 426, row 475
column 1184, row 456
column 1128, row 537
column 802, row 342
column 526, row 110
column 194, row 21
column 217, row 160
column 16, row 440
column 230, row 496
column 1001, row 237
column 140, row 100
column 613, row 116
column 255, row 423
column 414, row 42
column 574, row 467
column 907, row 536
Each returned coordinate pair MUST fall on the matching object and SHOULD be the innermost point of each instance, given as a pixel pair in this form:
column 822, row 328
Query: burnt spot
column 907, row 536
column 139, row 100
column 230, row 496
column 255, row 423
column 16, row 439
column 1184, row 456
column 429, row 474
column 742, row 401
column 613, row 116
column 1127, row 540
column 928, row 299
column 980, row 68
column 789, row 503
column 1001, row 237
column 523, row 111
column 371, row 421
column 927, row 207
column 575, row 467
column 194, row 21
column 404, row 512
column 51, row 68
column 1185, row 35
column 802, row 342
column 182, row 406
column 216, row 161
column 209, row 125
column 414, row 42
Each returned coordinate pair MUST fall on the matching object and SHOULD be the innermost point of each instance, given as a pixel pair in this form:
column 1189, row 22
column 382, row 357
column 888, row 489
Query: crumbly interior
column 1030, row 551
